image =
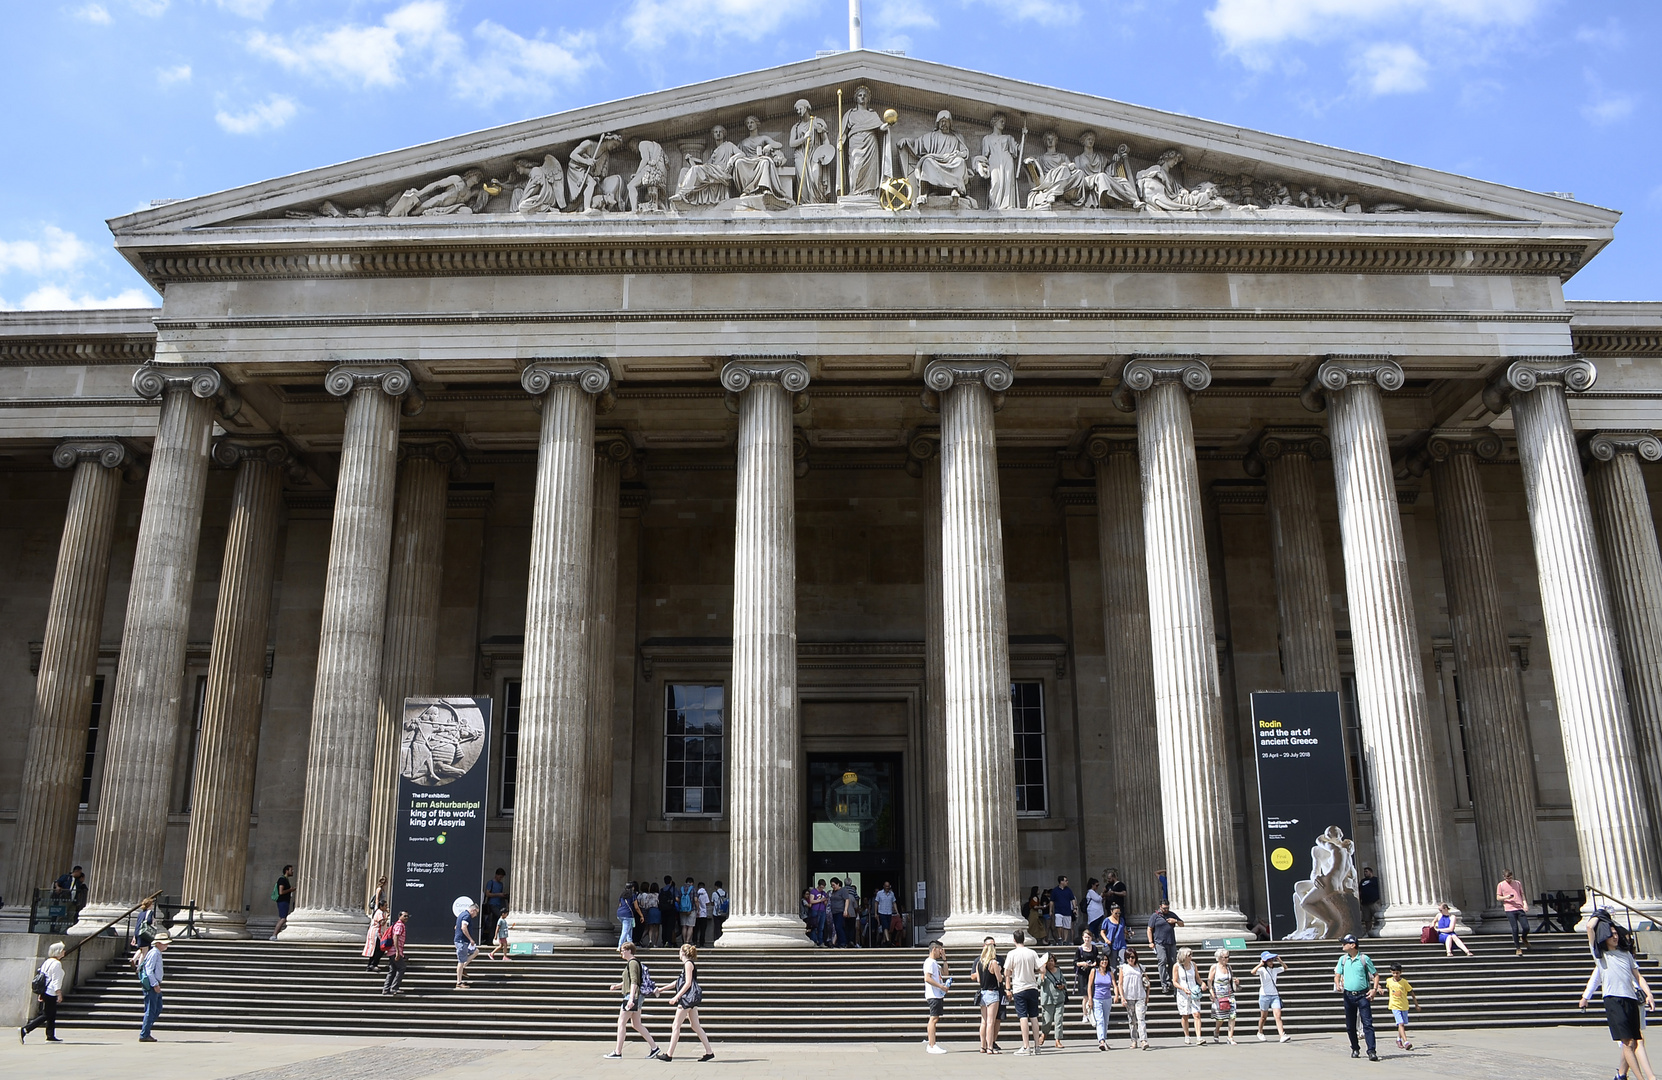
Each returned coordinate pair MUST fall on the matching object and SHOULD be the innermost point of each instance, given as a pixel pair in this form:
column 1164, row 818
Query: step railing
column 1628, row 910
column 75, row 949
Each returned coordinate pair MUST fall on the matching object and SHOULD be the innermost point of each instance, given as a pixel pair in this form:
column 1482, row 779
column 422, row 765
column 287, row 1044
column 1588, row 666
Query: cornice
column 1615, row 343
column 72, row 350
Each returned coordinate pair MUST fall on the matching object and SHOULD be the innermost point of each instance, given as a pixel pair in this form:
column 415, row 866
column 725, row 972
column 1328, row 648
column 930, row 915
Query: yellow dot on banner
column 1281, row 859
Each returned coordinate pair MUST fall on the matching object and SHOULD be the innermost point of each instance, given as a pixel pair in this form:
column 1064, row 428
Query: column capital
column 1481, row 443
column 1524, row 373
column 152, row 380
column 1142, row 373
column 1605, row 445
column 231, row 452
column 438, row 446
column 108, row 451
column 786, row 370
column 1104, row 442
column 923, row 447
column 1338, row 372
column 389, row 376
column 591, row 374
column 1276, row 442
column 612, row 447
column 944, row 372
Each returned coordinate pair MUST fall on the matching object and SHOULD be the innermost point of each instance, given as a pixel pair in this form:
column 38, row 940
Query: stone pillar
column 764, row 726
column 611, row 452
column 1503, row 777
column 1188, row 699
column 925, row 455
column 49, row 796
column 550, row 864
column 410, row 631
column 980, row 750
column 1286, row 458
column 1607, row 795
column 1390, row 683
column 1139, row 831
column 144, row 708
column 340, row 762
column 222, row 787
column 1633, row 566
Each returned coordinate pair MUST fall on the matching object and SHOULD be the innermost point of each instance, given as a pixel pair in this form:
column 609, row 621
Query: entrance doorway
column 856, row 827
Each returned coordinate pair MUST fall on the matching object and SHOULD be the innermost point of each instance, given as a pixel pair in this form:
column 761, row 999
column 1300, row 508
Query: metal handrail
column 1593, row 894
column 88, row 937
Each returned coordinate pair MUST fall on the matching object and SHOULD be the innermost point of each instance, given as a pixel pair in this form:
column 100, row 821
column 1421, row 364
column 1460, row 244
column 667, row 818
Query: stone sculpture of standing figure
column 862, row 136
column 997, row 165
column 652, row 177
column 587, row 174
column 815, row 155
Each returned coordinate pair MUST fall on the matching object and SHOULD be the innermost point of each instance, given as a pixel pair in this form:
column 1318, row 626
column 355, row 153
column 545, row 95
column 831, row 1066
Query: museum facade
column 913, row 488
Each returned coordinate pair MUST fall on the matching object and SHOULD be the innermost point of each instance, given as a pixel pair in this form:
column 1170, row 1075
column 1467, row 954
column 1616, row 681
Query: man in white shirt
column 885, row 913
column 935, row 985
column 150, row 978
column 1021, row 978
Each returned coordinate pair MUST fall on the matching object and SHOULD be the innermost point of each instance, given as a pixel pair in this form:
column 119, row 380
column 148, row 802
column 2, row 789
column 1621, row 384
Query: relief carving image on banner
column 439, row 855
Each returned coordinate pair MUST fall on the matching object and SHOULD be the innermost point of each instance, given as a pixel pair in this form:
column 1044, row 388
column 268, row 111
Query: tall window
column 1465, row 763
column 693, row 728
column 92, row 741
column 510, row 741
column 193, row 735
column 1353, row 742
column 1027, row 710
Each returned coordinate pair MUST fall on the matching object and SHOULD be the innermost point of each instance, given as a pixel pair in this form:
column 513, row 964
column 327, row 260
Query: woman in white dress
column 1190, row 988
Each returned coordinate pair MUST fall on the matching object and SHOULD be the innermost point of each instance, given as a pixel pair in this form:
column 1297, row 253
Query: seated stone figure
column 1161, row 191
column 1089, row 179
column 544, row 190
column 756, row 168
column 710, row 181
column 939, row 160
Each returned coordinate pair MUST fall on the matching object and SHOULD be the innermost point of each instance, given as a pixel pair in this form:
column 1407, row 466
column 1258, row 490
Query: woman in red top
column 394, row 950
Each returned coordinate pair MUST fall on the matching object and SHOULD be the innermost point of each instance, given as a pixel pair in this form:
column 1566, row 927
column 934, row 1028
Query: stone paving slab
column 1517, row 1054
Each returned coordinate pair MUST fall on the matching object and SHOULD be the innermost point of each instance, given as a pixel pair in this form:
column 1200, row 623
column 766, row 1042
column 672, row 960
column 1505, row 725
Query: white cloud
column 268, row 115
column 94, row 13
column 58, row 298
column 1251, row 25
column 152, row 8
column 652, row 23
column 1608, row 109
column 1043, row 12
column 511, row 64
column 1391, row 69
column 893, row 15
column 248, row 9
column 56, row 251
column 169, row 76
column 1609, row 36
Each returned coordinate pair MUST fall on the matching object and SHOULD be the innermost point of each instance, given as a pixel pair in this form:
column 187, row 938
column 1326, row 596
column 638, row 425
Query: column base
column 216, row 925
column 325, row 926
column 14, row 920
column 561, row 929
column 763, row 932
column 1407, row 920
column 1207, row 923
column 970, row 929
column 600, row 932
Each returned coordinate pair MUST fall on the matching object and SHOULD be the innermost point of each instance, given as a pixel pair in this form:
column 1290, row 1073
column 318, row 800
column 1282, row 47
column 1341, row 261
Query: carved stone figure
column 588, row 175
column 652, row 178
column 1076, row 183
column 1161, row 190
column 997, row 165
column 1090, row 160
column 544, row 190
column 1317, row 200
column 756, row 168
column 862, row 137
column 816, row 156
column 464, row 194
column 937, row 160
column 709, row 181
column 1326, row 905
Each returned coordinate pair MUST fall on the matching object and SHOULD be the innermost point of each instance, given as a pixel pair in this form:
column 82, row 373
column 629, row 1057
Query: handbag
column 694, row 995
column 1428, row 935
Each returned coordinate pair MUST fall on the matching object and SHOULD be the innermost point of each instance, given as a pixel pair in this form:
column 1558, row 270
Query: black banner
column 1304, row 804
column 439, row 852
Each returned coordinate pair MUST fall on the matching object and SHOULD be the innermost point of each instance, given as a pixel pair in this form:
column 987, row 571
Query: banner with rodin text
column 439, row 850
column 1304, row 804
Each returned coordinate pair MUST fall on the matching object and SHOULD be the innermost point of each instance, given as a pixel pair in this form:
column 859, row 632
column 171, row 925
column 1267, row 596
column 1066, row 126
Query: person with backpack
column 394, row 949
column 686, row 911
column 282, row 894
column 724, row 904
column 626, row 912
column 1618, row 976
column 635, row 984
column 48, row 987
column 701, row 912
column 652, row 927
column 666, row 904
column 144, row 932
column 688, row 993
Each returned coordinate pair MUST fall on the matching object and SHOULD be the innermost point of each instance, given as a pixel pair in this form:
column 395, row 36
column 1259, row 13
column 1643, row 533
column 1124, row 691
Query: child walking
column 1402, row 994
column 1269, row 969
column 501, row 939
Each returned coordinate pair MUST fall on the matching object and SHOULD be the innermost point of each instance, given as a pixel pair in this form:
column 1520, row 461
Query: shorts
column 1269, row 1001
column 465, row 952
column 1063, row 922
column 1401, row 1016
column 283, row 909
column 1026, row 1003
column 1623, row 1017
column 937, row 1006
column 987, row 997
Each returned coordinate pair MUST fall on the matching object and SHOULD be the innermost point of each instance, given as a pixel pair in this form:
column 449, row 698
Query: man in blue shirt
column 467, row 943
column 150, row 979
column 1356, row 977
column 1062, row 911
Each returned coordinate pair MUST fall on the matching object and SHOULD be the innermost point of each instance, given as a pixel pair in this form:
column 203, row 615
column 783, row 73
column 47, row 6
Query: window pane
column 674, row 774
column 694, row 775
column 1028, row 743
column 692, row 758
column 510, row 744
column 712, row 797
column 672, row 800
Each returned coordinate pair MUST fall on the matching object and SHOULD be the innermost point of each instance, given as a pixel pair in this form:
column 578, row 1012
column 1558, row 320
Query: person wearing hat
column 1269, row 969
column 150, row 979
column 1356, row 977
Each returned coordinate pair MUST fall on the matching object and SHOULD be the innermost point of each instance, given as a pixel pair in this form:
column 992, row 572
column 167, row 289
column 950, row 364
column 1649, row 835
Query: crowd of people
column 652, row 916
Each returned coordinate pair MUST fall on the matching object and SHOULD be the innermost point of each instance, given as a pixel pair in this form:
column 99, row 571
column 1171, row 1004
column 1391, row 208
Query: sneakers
column 654, row 1052
column 1022, row 1051
column 665, row 1057
column 1285, row 1038
column 147, row 1038
column 936, row 1049
column 711, row 1056
column 1261, row 1037
column 614, row 1054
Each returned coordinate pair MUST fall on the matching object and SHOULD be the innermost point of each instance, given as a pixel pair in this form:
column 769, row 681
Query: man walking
column 1021, row 979
column 1510, row 893
column 467, row 943
column 1162, row 938
column 1063, row 909
column 935, row 985
column 395, row 954
column 150, row 979
column 1356, row 977
column 496, row 901
column 885, row 914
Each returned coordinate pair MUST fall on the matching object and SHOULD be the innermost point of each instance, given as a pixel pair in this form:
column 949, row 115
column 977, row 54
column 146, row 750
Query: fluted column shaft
column 1188, row 701
column 599, row 903
column 49, row 796
column 939, row 866
column 1390, row 681
column 144, row 709
column 764, row 722
column 1502, row 776
column 1612, row 819
column 340, row 762
column 1309, row 647
column 1139, row 848
column 1633, row 566
column 549, row 861
column 410, row 633
column 222, row 786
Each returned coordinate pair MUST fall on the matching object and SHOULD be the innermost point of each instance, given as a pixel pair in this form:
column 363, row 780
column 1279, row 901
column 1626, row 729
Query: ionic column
column 1139, row 831
column 410, row 634
column 764, row 724
column 49, row 796
column 550, row 864
column 1188, row 700
column 222, row 787
column 1633, row 566
column 144, row 708
column 611, row 452
column 1390, row 684
column 1503, row 778
column 1607, row 793
column 925, row 455
column 1286, row 458
column 340, row 762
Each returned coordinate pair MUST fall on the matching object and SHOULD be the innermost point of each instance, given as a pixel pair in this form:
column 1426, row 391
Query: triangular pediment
column 1226, row 173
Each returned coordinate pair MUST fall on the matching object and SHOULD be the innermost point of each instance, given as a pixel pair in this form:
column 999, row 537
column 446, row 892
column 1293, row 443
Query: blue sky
column 113, row 103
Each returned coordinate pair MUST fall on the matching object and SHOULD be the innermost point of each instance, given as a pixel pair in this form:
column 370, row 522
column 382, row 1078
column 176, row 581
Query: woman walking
column 1132, row 984
column 51, row 995
column 687, row 996
column 1444, row 926
column 1190, row 989
column 1222, row 980
column 1269, row 969
column 627, row 911
column 395, row 954
column 989, row 977
column 1618, row 976
column 1085, row 958
column 634, row 987
column 144, row 932
column 1102, row 994
column 1053, row 1001
column 378, row 899
column 1112, row 935
column 378, row 924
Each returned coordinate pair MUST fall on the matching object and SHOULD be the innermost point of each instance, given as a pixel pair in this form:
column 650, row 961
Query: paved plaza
column 1518, row 1054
